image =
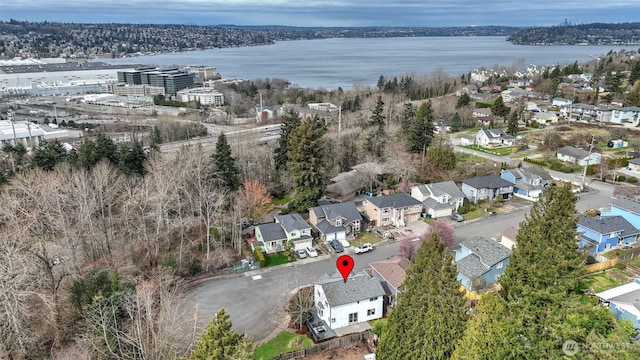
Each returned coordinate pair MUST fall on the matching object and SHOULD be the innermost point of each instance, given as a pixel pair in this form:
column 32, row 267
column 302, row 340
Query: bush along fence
column 362, row 337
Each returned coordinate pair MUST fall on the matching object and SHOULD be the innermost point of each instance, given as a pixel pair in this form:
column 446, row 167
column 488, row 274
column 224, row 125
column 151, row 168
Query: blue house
column 628, row 208
column 601, row 233
column 624, row 301
column 480, row 262
column 528, row 182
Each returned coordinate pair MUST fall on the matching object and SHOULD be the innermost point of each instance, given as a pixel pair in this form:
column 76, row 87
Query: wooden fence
column 601, row 266
column 328, row 345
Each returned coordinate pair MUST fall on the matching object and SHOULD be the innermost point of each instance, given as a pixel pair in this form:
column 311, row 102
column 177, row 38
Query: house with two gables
column 481, row 262
column 439, row 199
column 339, row 303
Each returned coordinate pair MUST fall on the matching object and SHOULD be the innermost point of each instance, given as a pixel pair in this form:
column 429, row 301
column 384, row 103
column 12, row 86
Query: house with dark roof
column 396, row 209
column 480, row 262
column 493, row 138
column 344, row 186
column 339, row 303
column 439, row 199
column 624, row 301
column 528, row 182
column 626, row 207
column 487, row 187
column 391, row 273
column 578, row 156
column 336, row 221
column 291, row 227
column 601, row 233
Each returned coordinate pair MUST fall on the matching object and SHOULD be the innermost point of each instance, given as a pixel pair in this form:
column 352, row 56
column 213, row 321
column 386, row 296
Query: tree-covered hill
column 586, row 34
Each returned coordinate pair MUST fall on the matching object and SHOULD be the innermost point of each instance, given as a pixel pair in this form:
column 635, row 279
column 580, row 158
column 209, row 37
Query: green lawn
column 501, row 151
column 635, row 261
column 277, row 259
column 365, row 237
column 604, row 280
column 282, row 343
column 281, row 201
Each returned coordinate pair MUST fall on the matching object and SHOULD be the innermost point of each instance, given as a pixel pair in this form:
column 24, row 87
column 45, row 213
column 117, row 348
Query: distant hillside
column 586, row 34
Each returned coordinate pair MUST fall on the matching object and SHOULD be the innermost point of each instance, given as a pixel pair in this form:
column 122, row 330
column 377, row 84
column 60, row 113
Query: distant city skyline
column 339, row 13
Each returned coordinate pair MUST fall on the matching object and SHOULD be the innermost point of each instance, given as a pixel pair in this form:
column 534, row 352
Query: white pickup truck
column 363, row 248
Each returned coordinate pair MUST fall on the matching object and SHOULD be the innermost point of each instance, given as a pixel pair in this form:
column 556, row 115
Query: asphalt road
column 256, row 300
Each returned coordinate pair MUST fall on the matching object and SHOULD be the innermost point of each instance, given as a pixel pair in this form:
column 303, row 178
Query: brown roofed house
column 391, row 274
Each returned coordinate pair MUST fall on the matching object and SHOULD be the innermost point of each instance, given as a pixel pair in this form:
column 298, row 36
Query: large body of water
column 333, row 63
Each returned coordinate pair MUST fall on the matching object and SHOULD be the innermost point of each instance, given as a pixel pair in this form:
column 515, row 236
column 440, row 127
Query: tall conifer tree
column 430, row 315
column 224, row 173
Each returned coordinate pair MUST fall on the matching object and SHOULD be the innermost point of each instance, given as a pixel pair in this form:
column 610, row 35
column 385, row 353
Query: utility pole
column 584, row 173
column 339, row 119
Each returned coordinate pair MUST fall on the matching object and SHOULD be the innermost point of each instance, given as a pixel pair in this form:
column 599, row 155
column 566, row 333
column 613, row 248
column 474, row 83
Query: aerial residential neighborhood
column 204, row 205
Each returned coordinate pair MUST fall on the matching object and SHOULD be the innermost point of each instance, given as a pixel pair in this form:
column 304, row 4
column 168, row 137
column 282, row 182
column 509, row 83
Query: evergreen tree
column 307, row 162
column 488, row 333
column 463, row 100
column 440, row 153
column 422, row 129
column 290, row 121
column 456, row 123
column 430, row 316
column 376, row 141
column 220, row 342
column 131, row 159
column 408, row 116
column 106, row 148
column 498, row 107
column 512, row 124
column 635, row 73
column 48, row 154
column 224, row 173
column 381, row 82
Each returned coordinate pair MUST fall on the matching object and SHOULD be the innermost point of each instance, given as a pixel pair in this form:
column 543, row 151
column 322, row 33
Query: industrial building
column 20, row 132
column 130, row 90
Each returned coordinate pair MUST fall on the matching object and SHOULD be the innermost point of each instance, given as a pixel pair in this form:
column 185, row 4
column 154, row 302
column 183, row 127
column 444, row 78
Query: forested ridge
column 584, row 34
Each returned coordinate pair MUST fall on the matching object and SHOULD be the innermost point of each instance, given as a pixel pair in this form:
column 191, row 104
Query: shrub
column 591, row 260
column 463, row 209
column 169, row 261
column 622, row 177
column 258, row 255
column 566, row 169
column 379, row 326
column 193, row 267
column 632, row 179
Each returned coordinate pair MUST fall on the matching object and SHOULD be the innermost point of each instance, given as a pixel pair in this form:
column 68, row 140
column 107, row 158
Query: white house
column 494, row 137
column 339, row 303
column 558, row 101
column 629, row 114
column 578, row 156
column 440, row 199
column 586, row 112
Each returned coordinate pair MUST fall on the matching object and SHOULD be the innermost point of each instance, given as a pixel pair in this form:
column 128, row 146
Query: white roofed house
column 339, row 303
column 440, row 199
column 624, row 301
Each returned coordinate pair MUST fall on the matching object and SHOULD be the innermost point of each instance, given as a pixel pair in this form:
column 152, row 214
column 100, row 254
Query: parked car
column 363, row 248
column 336, row 246
column 311, row 251
column 301, row 254
column 457, row 217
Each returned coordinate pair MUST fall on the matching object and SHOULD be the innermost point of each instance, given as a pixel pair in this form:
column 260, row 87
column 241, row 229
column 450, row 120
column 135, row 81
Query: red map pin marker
column 345, row 265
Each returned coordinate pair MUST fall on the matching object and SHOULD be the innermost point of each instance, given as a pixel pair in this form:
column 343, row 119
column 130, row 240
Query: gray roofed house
column 600, row 233
column 529, row 182
column 341, row 303
column 578, row 156
column 336, row 221
column 392, row 210
column 480, row 261
column 440, row 199
column 289, row 227
column 624, row 301
column 487, row 187
column 628, row 204
column 634, row 165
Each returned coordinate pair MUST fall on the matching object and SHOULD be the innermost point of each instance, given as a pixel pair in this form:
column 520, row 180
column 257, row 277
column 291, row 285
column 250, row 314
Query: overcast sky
column 325, row 12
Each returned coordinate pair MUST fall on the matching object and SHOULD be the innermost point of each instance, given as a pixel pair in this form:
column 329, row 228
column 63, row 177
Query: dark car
column 336, row 246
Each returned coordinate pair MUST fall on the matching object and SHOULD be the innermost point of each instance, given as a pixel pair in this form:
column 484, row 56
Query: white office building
column 206, row 96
